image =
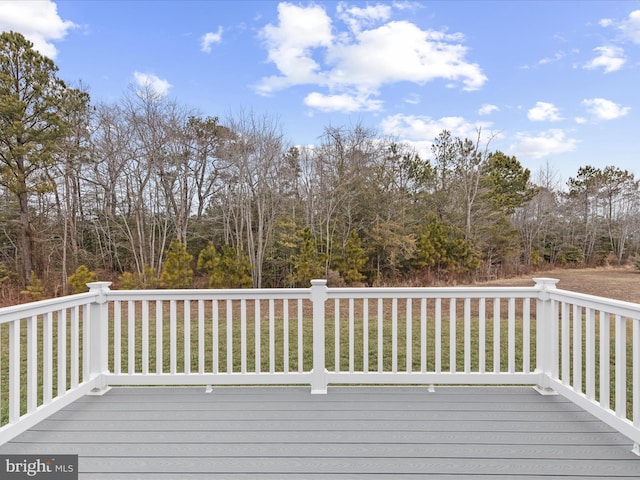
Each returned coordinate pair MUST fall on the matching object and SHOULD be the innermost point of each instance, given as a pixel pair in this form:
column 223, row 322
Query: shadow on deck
column 353, row 432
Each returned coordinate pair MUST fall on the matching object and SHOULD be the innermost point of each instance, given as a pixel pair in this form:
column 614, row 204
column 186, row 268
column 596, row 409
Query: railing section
column 586, row 348
column 431, row 335
column 365, row 335
column 594, row 357
column 44, row 359
column 210, row 336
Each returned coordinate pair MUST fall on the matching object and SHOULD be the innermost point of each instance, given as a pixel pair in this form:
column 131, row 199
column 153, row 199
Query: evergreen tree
column 506, row 187
column 177, row 271
column 353, row 260
column 80, row 278
column 441, row 247
column 208, row 259
column 32, row 125
column 308, row 262
column 226, row 269
column 36, row 290
column 235, row 269
column 279, row 266
column 506, row 183
column 148, row 279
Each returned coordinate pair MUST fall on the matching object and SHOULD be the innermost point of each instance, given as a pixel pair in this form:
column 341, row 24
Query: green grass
column 4, row 364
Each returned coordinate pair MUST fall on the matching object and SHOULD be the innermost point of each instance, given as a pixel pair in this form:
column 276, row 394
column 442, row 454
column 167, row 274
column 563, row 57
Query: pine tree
column 353, row 260
column 80, row 278
column 32, row 102
column 308, row 262
column 443, row 247
column 35, row 290
column 177, row 271
column 226, row 269
column 235, row 268
column 208, row 259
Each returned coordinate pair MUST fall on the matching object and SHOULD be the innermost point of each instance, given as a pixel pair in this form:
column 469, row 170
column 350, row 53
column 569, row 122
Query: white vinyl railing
column 592, row 356
column 583, row 347
column 45, row 359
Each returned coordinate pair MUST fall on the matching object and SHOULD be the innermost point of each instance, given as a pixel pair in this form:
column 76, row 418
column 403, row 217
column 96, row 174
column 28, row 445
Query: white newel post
column 544, row 334
column 318, row 374
column 99, row 337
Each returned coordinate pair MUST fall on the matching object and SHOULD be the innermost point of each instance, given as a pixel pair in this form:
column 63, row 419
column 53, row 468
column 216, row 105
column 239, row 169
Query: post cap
column 546, row 282
column 98, row 286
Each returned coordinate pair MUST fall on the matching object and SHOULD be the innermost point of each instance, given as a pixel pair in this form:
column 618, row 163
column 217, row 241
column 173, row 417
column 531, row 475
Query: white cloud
column 631, row 27
column 606, row 22
column 38, row 21
column 558, row 56
column 420, row 131
column 400, row 51
column 544, row 111
column 307, row 50
column 603, row 109
column 341, row 103
column 153, row 82
column 357, row 18
column 610, row 59
column 488, row 109
column 542, row 144
column 290, row 42
column 209, row 39
column 413, row 99
column 407, row 5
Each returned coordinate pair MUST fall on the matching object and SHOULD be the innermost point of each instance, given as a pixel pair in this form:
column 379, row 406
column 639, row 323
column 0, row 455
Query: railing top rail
column 617, row 307
column 209, row 294
column 293, row 293
column 17, row 312
column 434, row 292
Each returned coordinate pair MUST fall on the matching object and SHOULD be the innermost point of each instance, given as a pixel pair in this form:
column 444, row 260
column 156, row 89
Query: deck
column 352, row 432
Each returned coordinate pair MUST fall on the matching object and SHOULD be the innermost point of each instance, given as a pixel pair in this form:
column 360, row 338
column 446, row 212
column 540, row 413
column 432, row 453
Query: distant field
column 618, row 283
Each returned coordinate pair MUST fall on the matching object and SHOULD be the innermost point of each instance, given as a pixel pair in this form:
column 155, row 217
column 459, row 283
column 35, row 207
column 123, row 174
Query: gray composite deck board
column 352, row 432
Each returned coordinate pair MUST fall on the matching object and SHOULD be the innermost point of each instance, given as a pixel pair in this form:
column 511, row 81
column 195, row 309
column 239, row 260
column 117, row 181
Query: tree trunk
column 26, row 240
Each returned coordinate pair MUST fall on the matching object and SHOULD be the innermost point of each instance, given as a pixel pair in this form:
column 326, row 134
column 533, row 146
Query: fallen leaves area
column 620, row 283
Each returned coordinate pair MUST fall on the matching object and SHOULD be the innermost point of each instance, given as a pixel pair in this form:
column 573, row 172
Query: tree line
column 148, row 193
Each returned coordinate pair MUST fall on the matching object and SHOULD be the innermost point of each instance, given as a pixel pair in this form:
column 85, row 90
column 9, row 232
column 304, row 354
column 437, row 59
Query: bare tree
column 250, row 204
column 68, row 171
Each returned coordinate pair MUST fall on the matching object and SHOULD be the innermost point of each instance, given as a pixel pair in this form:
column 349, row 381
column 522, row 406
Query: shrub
column 78, row 281
column 129, row 281
column 177, row 271
column 34, row 291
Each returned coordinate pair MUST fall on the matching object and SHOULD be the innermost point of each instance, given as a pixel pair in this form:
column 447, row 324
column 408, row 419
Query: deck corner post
column 99, row 337
column 544, row 334
column 318, row 299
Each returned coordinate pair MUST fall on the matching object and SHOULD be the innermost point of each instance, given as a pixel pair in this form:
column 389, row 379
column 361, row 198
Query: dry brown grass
column 620, row 283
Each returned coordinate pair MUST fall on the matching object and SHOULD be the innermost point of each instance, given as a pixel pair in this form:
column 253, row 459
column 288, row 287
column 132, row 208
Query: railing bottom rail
column 11, row 430
column 184, row 379
column 609, row 417
column 427, row 378
column 327, row 378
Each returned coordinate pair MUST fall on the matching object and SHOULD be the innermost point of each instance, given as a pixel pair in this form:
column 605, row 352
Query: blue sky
column 552, row 82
